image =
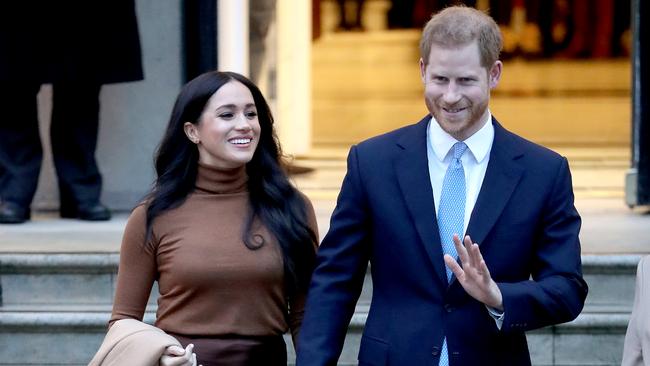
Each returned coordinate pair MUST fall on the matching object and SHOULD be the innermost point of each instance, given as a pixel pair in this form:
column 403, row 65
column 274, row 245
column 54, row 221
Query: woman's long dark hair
column 274, row 201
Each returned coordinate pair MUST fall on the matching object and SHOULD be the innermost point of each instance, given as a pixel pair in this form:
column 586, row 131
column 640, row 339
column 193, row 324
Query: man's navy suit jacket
column 524, row 221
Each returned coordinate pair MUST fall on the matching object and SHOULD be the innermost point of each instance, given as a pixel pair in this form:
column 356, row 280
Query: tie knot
column 459, row 149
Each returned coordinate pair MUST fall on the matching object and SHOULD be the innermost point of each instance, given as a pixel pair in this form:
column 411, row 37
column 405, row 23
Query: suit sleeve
column 556, row 292
column 336, row 284
column 137, row 270
column 297, row 302
column 632, row 349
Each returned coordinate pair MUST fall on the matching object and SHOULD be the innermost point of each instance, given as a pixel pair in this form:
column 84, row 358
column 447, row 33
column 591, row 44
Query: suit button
column 435, row 351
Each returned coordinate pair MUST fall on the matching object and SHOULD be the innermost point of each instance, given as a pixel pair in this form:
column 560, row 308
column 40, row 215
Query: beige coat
column 132, row 342
column 636, row 351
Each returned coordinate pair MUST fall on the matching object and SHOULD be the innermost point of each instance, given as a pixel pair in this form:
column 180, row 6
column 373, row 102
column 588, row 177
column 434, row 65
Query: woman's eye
column 251, row 114
column 226, row 115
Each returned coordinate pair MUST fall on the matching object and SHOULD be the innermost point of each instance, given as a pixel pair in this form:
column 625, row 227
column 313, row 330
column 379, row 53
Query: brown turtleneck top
column 210, row 283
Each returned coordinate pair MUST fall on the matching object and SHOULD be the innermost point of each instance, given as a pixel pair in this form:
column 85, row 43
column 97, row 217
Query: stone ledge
column 59, row 263
column 62, row 320
column 609, row 323
column 23, row 320
column 613, row 263
column 40, row 262
column 593, row 322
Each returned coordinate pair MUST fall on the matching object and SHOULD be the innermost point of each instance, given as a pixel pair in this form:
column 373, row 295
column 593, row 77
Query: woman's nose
column 243, row 123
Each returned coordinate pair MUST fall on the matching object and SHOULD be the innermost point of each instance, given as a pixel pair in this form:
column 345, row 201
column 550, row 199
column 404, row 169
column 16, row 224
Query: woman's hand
column 177, row 356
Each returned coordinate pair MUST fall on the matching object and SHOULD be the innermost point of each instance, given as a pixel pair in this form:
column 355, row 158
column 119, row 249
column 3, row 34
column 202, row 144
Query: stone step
column 52, row 337
column 72, row 337
column 55, row 308
column 89, row 279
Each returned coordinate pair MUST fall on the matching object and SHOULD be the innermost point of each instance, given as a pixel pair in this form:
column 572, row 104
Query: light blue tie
column 451, row 216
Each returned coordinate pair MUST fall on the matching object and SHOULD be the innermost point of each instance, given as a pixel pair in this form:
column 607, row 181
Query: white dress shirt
column 475, row 161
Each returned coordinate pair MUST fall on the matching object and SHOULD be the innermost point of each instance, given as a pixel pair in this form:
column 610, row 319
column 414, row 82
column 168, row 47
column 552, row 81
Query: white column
column 233, row 36
column 293, row 112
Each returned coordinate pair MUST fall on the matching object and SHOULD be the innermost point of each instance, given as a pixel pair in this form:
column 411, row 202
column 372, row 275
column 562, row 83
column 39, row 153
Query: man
column 77, row 46
column 408, row 197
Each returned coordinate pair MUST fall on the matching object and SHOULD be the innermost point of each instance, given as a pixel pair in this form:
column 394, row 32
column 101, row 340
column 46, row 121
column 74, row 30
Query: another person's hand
column 474, row 275
column 177, row 356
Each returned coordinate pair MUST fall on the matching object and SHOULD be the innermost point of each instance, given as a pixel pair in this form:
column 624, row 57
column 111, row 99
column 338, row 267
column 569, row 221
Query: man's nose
column 451, row 94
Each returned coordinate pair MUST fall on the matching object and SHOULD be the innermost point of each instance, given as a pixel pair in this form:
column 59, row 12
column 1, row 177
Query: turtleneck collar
column 219, row 181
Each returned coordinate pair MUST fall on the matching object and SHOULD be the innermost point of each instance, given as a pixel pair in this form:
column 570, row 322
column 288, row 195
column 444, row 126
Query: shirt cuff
column 496, row 315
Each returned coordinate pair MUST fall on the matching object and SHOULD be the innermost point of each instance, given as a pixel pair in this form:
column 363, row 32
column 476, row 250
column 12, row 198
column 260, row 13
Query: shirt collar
column 478, row 144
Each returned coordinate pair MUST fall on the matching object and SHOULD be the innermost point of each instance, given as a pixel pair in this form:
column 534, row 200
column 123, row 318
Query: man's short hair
column 459, row 25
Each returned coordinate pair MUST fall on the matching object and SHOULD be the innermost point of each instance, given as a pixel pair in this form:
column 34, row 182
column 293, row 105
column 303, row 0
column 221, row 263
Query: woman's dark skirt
column 237, row 350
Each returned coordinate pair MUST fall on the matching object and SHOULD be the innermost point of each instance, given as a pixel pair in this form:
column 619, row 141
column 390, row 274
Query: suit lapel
column 501, row 177
column 412, row 171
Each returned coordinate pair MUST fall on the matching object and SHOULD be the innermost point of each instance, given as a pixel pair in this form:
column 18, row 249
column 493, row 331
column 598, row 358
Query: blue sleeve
column 336, row 283
column 556, row 290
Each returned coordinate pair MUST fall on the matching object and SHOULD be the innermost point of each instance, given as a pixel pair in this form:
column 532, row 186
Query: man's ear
column 422, row 71
column 191, row 133
column 494, row 74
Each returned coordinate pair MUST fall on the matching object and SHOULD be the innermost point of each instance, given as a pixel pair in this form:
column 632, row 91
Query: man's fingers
column 473, row 265
column 460, row 249
column 467, row 240
column 485, row 272
column 453, row 265
column 467, row 243
column 475, row 256
column 473, row 252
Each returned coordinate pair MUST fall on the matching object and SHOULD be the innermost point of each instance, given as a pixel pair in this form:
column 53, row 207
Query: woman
column 230, row 241
column 636, row 351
